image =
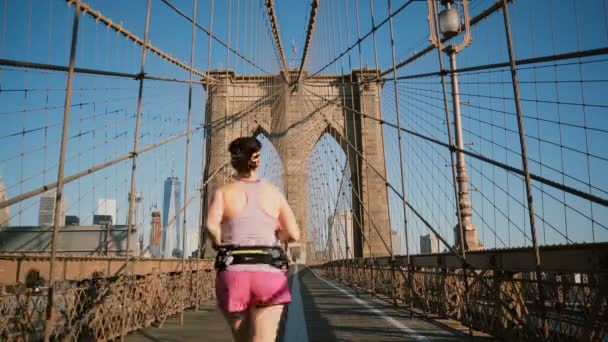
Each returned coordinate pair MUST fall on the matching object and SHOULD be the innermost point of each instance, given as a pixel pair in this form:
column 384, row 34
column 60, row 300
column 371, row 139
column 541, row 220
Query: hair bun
column 245, row 154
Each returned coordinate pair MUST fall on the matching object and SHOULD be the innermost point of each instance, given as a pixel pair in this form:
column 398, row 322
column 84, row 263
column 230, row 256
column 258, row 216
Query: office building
column 155, row 234
column 72, row 220
column 102, row 220
column 71, row 240
column 171, row 241
column 340, row 235
column 396, row 242
column 143, row 235
column 429, row 244
column 46, row 212
column 5, row 213
column 192, row 241
column 107, row 206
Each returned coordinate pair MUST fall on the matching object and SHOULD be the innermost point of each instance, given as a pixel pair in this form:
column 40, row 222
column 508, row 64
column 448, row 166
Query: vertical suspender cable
column 125, row 312
column 48, row 328
column 378, row 84
column 207, row 131
column 358, row 168
column 404, row 198
column 227, row 90
column 524, row 160
column 186, row 165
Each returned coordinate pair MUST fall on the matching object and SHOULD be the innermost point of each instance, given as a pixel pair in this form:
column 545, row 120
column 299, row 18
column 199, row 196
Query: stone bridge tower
column 294, row 118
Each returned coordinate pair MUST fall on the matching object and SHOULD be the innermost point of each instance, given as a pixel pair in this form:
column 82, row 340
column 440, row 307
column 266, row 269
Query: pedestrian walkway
column 320, row 311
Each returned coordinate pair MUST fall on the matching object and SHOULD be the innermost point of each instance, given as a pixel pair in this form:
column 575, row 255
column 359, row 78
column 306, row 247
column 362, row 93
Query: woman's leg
column 232, row 292
column 265, row 323
column 239, row 325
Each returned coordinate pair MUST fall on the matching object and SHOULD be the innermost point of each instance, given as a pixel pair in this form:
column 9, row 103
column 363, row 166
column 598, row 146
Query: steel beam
column 309, row 32
column 583, row 258
column 98, row 16
column 274, row 24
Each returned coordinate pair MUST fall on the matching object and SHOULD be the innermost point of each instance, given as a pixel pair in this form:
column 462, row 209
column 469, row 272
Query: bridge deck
column 320, row 311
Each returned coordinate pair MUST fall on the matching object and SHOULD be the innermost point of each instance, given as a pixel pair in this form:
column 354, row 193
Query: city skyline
column 142, row 227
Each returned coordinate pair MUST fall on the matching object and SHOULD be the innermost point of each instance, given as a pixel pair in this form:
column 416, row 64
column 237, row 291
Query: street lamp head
column 449, row 22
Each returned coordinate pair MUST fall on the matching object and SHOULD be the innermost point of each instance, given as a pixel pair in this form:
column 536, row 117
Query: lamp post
column 448, row 23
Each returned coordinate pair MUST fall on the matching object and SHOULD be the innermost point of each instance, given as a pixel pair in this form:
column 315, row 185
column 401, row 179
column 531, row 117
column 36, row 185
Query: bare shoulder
column 270, row 189
column 225, row 188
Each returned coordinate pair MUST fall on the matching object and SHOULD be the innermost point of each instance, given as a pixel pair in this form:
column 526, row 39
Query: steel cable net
column 271, row 168
column 329, row 205
column 388, row 147
column 105, row 98
column 531, row 130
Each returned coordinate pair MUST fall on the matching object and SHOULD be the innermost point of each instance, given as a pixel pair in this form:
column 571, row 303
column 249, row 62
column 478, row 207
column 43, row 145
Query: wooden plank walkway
column 320, row 311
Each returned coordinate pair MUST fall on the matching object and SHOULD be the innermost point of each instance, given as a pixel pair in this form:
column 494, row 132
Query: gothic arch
column 294, row 121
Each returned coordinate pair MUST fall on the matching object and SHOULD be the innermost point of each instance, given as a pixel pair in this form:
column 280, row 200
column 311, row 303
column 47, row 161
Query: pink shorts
column 236, row 291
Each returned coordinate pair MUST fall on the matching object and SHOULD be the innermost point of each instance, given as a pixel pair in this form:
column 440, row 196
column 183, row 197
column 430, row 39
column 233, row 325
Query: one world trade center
column 171, row 243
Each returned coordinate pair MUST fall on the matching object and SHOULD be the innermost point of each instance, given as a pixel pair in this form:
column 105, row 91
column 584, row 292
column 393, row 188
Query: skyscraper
column 341, row 235
column 171, row 242
column 5, row 213
column 396, row 242
column 429, row 243
column 192, row 242
column 155, row 234
column 107, row 206
column 46, row 212
column 143, row 235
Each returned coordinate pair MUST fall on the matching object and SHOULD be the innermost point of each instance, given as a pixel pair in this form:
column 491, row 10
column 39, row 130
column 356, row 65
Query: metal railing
column 503, row 297
column 92, row 308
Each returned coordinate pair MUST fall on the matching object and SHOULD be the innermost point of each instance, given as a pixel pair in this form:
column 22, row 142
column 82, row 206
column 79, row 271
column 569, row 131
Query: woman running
column 246, row 217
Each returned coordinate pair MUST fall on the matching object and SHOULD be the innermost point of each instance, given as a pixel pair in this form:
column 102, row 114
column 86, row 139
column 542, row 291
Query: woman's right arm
column 287, row 220
column 214, row 218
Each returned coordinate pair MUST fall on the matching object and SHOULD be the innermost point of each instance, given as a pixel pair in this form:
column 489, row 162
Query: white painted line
column 295, row 328
column 413, row 334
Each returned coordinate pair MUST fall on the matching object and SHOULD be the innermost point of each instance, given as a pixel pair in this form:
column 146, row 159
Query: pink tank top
column 253, row 226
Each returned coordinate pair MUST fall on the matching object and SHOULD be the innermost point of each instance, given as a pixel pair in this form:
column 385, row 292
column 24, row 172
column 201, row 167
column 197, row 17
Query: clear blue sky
column 102, row 116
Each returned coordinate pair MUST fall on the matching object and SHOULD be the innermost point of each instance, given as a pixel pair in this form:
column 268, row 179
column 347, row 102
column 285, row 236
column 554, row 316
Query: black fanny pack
column 237, row 255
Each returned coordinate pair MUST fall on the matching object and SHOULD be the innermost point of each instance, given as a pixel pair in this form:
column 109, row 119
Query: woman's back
column 251, row 214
